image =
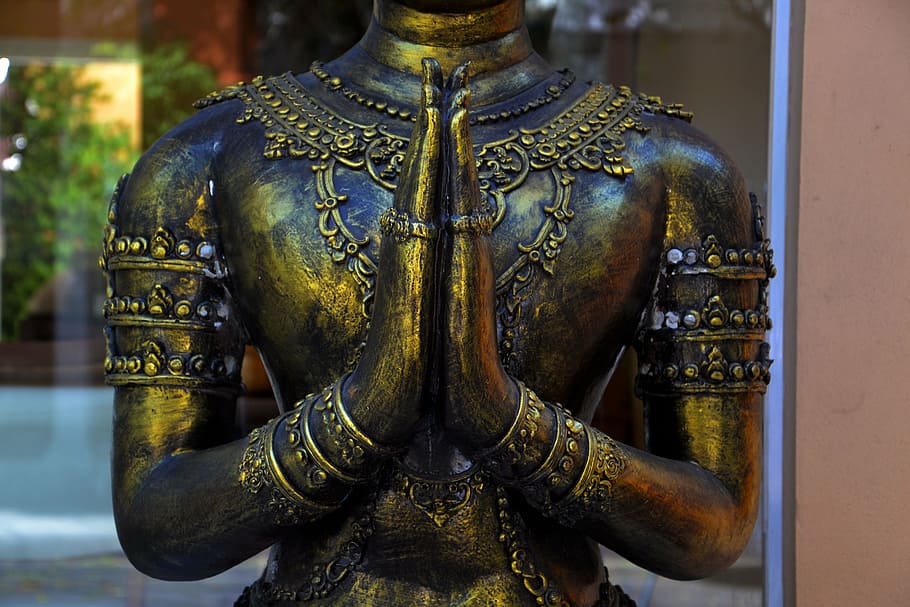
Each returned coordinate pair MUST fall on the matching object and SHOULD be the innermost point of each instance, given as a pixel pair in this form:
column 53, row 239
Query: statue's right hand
column 385, row 392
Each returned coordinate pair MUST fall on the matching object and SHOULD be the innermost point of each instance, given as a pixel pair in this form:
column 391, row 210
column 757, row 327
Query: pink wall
column 853, row 302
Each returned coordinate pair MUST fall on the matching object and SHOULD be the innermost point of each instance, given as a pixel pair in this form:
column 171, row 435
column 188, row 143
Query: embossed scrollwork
column 384, row 158
column 439, row 499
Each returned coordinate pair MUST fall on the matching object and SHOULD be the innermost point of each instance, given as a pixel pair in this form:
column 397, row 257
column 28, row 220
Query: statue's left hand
column 480, row 397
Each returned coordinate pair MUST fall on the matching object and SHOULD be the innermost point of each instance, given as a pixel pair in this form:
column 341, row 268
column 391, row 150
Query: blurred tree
column 171, row 82
column 54, row 191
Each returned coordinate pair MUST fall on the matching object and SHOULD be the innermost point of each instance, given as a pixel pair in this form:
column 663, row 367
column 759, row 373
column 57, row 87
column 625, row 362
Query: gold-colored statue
column 440, row 247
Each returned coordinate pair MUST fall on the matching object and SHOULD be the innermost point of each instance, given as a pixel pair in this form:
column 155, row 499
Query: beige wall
column 853, row 302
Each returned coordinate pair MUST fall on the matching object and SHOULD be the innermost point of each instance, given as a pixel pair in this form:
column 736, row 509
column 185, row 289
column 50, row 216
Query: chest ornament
column 587, row 136
column 439, row 499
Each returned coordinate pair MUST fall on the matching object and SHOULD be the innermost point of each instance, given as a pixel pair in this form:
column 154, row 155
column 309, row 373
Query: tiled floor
column 110, row 581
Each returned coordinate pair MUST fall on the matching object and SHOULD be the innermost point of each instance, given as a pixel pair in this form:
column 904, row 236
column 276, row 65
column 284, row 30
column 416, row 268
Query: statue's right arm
column 191, row 498
column 175, row 348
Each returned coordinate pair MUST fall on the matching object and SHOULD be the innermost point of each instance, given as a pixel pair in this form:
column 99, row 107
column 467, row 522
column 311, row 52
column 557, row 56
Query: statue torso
column 575, row 247
column 579, row 197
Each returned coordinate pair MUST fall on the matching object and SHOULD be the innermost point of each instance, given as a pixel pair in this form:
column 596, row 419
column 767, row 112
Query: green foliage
column 54, row 205
column 171, row 82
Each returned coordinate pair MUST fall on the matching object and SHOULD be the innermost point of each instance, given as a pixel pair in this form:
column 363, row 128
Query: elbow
column 717, row 545
column 157, row 544
column 150, row 550
column 711, row 557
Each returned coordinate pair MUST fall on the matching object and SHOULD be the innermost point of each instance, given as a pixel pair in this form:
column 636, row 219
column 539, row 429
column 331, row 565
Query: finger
column 459, row 99
column 417, row 190
column 432, row 72
column 458, row 79
column 464, row 188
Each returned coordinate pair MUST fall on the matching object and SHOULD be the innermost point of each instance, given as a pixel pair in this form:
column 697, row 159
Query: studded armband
column 708, row 321
column 167, row 312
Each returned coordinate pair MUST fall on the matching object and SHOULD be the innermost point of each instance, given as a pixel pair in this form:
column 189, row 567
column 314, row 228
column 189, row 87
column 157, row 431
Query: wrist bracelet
column 553, row 475
column 259, row 470
column 400, row 225
column 355, row 434
column 557, row 448
column 593, row 491
column 353, row 456
column 514, row 430
column 334, row 441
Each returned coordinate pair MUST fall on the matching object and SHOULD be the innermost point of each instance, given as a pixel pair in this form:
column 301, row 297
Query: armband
column 167, row 312
column 261, row 472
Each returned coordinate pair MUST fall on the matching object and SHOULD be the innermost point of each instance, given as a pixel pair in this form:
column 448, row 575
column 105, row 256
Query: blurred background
column 86, row 85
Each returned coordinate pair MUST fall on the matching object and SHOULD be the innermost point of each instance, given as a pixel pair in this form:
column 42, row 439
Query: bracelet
column 259, row 470
column 553, row 475
column 574, row 432
column 602, row 463
column 475, row 223
column 353, row 457
column 354, row 434
column 592, row 493
column 514, row 431
column 558, row 447
column 400, row 225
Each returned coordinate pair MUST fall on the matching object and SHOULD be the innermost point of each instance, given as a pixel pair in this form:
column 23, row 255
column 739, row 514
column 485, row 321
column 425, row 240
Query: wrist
column 565, row 468
column 480, row 412
column 306, row 462
column 518, row 444
column 263, row 472
column 381, row 413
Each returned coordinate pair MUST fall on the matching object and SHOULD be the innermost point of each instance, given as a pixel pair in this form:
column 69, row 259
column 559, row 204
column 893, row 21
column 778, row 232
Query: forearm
column 176, row 501
column 187, row 513
column 680, row 519
column 676, row 518
column 190, row 518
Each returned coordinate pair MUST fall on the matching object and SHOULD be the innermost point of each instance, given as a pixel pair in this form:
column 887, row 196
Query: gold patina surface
column 439, row 276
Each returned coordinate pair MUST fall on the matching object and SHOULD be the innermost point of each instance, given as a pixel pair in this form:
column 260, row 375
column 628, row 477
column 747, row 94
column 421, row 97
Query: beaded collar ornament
column 337, row 85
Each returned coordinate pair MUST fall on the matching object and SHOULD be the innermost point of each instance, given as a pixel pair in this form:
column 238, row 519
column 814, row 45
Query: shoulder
column 705, row 192
column 172, row 178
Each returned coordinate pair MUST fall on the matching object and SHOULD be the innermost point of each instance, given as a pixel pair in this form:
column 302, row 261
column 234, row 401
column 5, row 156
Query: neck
column 387, row 61
column 492, row 38
column 435, row 28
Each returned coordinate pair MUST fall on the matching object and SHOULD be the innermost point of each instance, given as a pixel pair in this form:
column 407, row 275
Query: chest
column 574, row 243
column 572, row 256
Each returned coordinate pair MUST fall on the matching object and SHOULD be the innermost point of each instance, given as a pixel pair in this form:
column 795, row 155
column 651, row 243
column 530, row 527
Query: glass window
column 85, row 85
column 713, row 56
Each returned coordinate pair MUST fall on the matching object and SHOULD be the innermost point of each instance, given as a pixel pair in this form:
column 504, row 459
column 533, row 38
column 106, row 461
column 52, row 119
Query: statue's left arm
column 686, row 507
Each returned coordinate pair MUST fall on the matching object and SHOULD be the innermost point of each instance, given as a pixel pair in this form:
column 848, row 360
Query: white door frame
column 783, row 207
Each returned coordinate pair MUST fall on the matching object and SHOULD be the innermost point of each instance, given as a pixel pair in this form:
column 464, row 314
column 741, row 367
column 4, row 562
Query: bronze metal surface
column 440, row 246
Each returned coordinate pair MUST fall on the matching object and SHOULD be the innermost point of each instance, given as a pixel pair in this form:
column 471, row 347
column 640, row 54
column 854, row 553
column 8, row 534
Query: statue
column 440, row 246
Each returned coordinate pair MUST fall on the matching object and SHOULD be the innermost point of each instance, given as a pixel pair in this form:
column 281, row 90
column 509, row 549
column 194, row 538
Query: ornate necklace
column 336, row 85
column 587, row 136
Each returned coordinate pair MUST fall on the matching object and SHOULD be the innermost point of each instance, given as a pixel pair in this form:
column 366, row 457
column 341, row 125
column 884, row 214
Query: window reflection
column 85, row 85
